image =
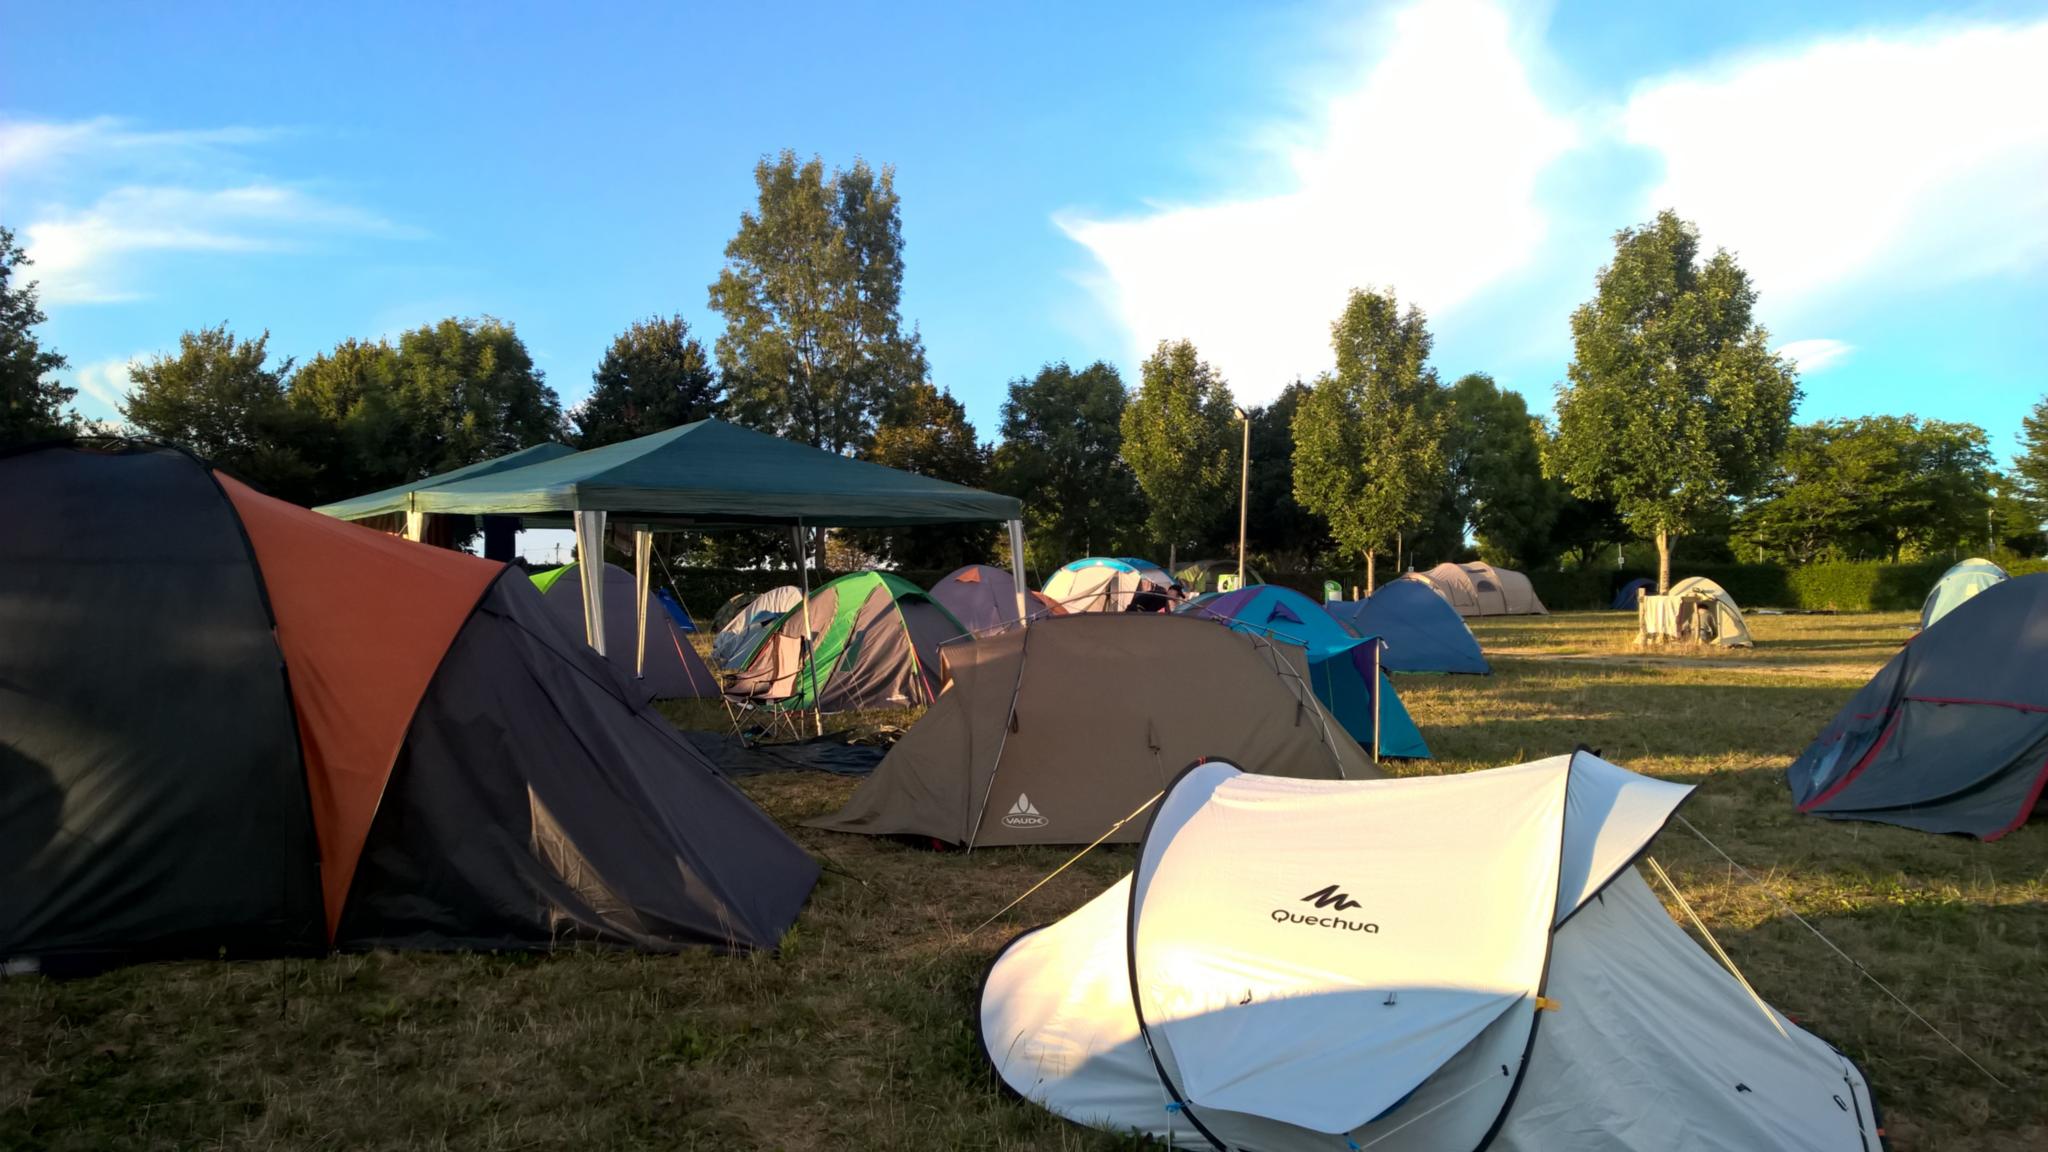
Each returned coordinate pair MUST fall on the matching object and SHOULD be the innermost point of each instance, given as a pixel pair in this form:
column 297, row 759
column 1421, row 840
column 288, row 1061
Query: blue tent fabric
column 675, row 610
column 1422, row 632
column 1339, row 663
column 1626, row 598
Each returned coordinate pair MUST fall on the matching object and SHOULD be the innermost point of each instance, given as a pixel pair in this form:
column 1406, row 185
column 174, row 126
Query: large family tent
column 1200, row 576
column 1952, row 734
column 983, row 598
column 875, row 644
column 739, row 632
column 299, row 734
column 1419, row 631
column 1413, row 965
column 1053, row 733
column 1112, row 584
column 1957, row 585
column 672, row 669
column 1483, row 590
column 1340, row 664
column 1696, row 609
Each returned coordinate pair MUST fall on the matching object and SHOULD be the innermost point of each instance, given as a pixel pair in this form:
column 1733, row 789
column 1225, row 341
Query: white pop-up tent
column 1455, row 962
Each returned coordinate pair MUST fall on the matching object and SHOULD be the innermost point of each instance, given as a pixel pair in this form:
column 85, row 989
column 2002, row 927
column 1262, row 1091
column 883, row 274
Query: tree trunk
column 1368, row 571
column 1663, row 562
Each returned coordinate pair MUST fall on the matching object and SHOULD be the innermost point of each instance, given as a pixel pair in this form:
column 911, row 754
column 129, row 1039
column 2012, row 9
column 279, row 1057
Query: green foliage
column 1062, row 456
column 1367, row 438
column 655, row 376
column 2030, row 467
column 1178, row 438
column 1493, row 456
column 220, row 397
column 1876, row 486
column 813, row 347
column 468, row 391
column 1675, row 404
column 351, row 397
column 1279, row 530
column 32, row 407
column 926, row 431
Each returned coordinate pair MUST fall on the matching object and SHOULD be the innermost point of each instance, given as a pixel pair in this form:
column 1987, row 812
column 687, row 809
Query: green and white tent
column 877, row 646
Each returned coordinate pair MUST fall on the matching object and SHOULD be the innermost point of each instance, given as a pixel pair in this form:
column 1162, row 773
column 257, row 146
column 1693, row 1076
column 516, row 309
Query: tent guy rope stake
column 1788, row 910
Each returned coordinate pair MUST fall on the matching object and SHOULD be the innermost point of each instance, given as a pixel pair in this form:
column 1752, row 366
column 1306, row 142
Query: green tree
column 926, row 431
column 814, row 347
column 356, row 433
column 221, row 398
column 1178, row 439
column 1062, row 456
column 1367, row 439
column 2030, row 467
column 1283, row 534
column 1889, row 486
column 1493, row 466
column 468, row 391
column 32, row 406
column 654, row 376
column 1675, row 404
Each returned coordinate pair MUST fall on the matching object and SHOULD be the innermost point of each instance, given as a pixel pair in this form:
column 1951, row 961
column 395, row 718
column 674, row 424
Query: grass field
column 858, row 1035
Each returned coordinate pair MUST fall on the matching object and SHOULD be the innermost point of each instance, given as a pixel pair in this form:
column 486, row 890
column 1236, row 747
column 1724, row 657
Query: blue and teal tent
column 1957, row 585
column 1421, row 630
column 1340, row 665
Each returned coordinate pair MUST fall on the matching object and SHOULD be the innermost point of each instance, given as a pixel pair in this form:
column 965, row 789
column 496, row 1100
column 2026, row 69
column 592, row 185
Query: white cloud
column 1922, row 152
column 1814, row 355
column 106, row 195
column 104, row 381
column 1423, row 177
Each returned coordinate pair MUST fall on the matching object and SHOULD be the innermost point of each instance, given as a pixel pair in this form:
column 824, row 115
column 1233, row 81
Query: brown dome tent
column 984, row 598
column 1052, row 733
column 1479, row 589
column 300, row 734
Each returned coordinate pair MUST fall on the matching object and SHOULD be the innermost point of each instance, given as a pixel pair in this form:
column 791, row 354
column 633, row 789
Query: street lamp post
column 1244, row 488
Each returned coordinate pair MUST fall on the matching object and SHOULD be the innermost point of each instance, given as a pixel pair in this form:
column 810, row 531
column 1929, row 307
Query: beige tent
column 1104, row 716
column 1696, row 609
column 1483, row 590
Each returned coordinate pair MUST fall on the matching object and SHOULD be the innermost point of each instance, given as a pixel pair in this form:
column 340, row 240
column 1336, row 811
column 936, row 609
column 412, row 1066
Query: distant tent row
column 1419, row 629
column 1054, row 733
column 1341, row 666
column 1112, row 584
column 871, row 641
column 299, row 734
column 741, row 630
column 1200, row 576
column 1697, row 610
column 983, row 598
column 1483, row 590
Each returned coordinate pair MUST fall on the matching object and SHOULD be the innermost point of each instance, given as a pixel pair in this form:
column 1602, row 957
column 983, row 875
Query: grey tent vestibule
column 714, row 475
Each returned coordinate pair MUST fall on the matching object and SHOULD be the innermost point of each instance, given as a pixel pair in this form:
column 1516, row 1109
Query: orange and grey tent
column 297, row 733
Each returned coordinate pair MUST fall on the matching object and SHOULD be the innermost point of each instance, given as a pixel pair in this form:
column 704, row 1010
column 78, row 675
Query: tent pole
column 416, row 526
column 1017, row 573
column 803, row 569
column 1376, row 699
column 643, row 570
column 590, row 574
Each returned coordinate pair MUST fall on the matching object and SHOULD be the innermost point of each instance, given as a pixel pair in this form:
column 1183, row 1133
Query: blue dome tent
column 1421, row 631
column 1340, row 664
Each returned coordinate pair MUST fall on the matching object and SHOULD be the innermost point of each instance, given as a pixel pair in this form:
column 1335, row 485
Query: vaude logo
column 1326, row 897
column 1023, row 814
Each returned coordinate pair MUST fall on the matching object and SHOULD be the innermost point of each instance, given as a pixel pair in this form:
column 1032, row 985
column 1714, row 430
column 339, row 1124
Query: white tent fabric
column 1305, row 964
column 733, row 640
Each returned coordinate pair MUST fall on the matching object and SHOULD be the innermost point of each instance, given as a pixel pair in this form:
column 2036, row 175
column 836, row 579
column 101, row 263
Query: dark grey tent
column 300, row 734
column 1952, row 735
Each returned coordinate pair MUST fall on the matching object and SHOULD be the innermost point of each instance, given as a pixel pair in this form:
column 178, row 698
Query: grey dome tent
column 1420, row 629
column 673, row 670
column 739, row 632
column 1957, row 585
column 984, row 599
column 1479, row 589
column 1952, row 734
column 1407, row 965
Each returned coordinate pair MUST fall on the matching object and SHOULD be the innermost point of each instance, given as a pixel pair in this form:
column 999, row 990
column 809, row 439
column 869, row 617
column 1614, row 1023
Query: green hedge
column 1842, row 587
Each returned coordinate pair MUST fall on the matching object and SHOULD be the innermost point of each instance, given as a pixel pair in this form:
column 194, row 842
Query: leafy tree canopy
column 1283, row 534
column 32, row 406
column 468, row 391
column 926, row 431
column 1177, row 439
column 654, row 376
column 220, row 397
column 1062, row 456
column 2030, row 467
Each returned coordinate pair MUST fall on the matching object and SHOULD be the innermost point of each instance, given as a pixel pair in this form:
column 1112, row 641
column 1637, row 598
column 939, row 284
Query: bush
column 1840, row 587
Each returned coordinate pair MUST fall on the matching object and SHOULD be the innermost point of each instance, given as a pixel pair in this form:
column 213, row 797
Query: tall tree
column 357, row 435
column 2030, row 467
column 814, row 346
column 1675, row 404
column 221, row 398
column 654, row 376
column 1493, row 457
column 1062, row 456
column 468, row 391
column 1178, row 441
column 1367, row 439
column 926, row 431
column 1888, row 486
column 32, row 406
column 1278, row 529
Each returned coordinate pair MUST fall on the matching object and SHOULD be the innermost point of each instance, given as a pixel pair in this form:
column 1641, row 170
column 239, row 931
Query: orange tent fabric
column 363, row 620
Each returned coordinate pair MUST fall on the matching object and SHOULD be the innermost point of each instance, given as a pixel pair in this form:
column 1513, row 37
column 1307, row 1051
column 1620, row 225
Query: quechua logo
column 1326, row 899
column 1024, row 814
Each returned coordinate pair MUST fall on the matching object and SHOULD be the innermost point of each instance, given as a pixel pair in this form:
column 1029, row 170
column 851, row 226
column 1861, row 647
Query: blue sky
column 1078, row 182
